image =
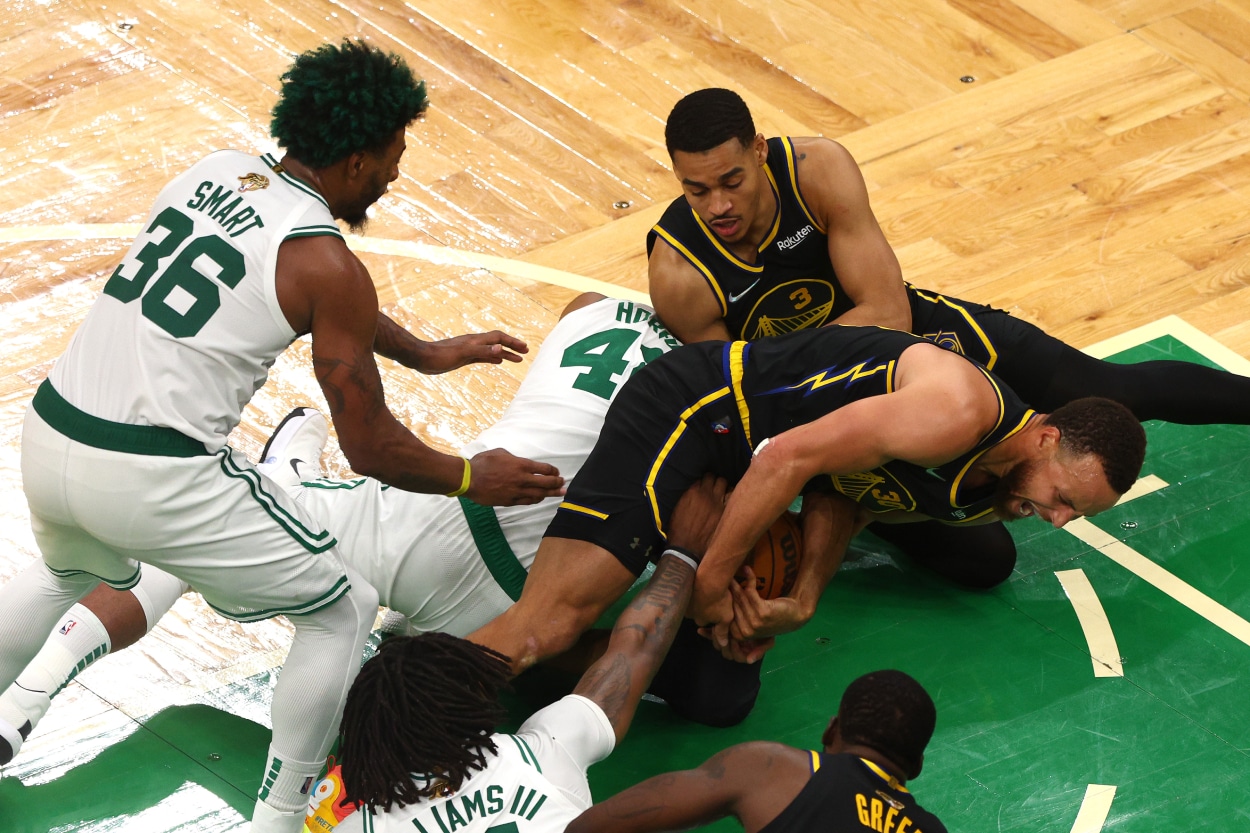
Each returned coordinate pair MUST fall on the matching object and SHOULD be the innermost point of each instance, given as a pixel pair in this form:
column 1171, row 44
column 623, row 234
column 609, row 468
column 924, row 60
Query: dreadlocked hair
column 423, row 705
column 337, row 100
column 706, row 119
column 892, row 713
column 1107, row 430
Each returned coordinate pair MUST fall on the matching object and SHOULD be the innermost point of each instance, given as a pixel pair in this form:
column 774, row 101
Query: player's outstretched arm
column 941, row 407
column 645, row 630
column 681, row 800
column 866, row 265
column 397, row 343
column 325, row 290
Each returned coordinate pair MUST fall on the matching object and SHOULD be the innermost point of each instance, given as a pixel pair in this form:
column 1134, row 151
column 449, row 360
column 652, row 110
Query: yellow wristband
column 464, row 484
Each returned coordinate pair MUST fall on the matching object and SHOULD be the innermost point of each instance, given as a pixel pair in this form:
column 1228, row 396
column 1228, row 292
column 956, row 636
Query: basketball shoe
column 293, row 453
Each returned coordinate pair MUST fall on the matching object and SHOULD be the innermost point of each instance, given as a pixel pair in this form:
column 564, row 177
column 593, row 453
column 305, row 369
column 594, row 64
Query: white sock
column 266, row 819
column 76, row 641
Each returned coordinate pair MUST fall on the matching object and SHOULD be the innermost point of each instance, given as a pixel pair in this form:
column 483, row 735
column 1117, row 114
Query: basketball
column 775, row 559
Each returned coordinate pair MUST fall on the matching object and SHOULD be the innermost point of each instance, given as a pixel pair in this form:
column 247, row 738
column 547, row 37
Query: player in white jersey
column 419, row 749
column 447, row 564
column 124, row 455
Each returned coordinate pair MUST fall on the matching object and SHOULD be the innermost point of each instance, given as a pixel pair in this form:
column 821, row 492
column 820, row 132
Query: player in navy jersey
column 872, row 747
column 775, row 235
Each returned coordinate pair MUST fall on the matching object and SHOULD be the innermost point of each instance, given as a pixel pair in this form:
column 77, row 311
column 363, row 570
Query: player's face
column 1057, row 489
column 377, row 172
column 723, row 185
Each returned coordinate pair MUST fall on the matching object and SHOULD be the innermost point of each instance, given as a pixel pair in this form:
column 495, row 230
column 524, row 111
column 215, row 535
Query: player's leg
column 1173, row 391
column 308, row 703
column 1047, row 373
column 976, row 557
column 29, row 605
column 701, row 685
column 570, row 584
column 104, row 622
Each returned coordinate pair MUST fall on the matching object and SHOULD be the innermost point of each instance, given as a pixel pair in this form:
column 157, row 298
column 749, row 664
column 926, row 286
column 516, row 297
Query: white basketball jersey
column 189, row 324
column 535, row 783
column 418, row 550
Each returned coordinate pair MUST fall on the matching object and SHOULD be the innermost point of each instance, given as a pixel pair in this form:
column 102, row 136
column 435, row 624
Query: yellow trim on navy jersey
column 735, row 379
column 772, row 232
column 990, row 352
column 695, row 262
column 887, row 777
column 668, row 447
column 794, row 182
column 573, row 507
column 814, row 383
column 954, row 495
column 815, row 760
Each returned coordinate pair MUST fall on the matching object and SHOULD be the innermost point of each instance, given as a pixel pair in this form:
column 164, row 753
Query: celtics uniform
column 124, row 450
column 452, row 565
column 707, row 407
column 535, row 782
column 849, row 794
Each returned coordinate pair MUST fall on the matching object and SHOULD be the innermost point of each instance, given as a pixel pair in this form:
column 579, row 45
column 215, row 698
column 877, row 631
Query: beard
column 1010, row 485
column 356, row 215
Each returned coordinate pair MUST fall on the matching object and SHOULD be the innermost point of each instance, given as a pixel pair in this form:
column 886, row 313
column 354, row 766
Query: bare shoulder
column 683, row 299
column 959, row 383
column 817, row 151
column 313, row 271
column 758, row 758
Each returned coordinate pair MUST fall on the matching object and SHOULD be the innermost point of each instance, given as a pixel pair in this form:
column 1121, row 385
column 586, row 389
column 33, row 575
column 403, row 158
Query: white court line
column 1182, row 331
column 442, row 255
column 1094, row 808
column 1103, row 651
column 1154, row 575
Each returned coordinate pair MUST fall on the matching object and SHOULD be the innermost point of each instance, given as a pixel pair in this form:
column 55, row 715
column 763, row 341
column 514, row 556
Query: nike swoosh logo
column 935, row 474
column 738, row 297
column 295, row 464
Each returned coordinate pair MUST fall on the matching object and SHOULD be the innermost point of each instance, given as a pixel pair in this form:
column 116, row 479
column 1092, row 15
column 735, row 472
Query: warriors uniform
column 792, row 285
column 452, row 565
column 534, row 783
column 849, row 794
column 709, row 406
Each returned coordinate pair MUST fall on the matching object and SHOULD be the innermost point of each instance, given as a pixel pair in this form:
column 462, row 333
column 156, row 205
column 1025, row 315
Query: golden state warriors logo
column 947, row 340
column 794, row 305
column 876, row 491
column 253, row 182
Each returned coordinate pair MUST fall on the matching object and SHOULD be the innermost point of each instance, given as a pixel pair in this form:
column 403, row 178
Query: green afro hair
column 337, row 100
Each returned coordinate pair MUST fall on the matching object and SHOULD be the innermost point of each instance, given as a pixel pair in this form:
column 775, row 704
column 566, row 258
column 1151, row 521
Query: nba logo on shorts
column 721, row 426
column 67, row 627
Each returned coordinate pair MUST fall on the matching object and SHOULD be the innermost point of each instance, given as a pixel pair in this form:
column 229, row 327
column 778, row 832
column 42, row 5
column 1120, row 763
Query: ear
column 760, row 146
column 1048, row 439
column 355, row 163
column 832, row 738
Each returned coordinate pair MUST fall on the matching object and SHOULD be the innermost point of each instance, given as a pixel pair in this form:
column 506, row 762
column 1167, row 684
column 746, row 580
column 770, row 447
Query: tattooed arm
column 325, row 290
column 645, row 630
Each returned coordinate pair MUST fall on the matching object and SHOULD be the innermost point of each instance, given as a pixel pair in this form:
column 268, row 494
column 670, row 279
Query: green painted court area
column 1024, row 725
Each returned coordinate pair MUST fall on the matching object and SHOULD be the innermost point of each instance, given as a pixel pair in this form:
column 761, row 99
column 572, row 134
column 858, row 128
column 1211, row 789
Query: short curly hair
column 706, row 119
column 340, row 99
column 1107, row 430
column 892, row 713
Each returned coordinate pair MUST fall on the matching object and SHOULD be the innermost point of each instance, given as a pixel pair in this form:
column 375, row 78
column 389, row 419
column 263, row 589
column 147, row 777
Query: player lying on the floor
column 872, row 747
column 881, row 415
column 448, row 564
column 774, row 235
column 419, row 743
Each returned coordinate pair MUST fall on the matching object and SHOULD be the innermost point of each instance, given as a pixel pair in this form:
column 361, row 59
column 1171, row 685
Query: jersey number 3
column 183, row 298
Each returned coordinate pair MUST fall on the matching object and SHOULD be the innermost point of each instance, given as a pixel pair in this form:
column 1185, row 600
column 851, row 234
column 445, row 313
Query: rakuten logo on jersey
column 795, row 239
